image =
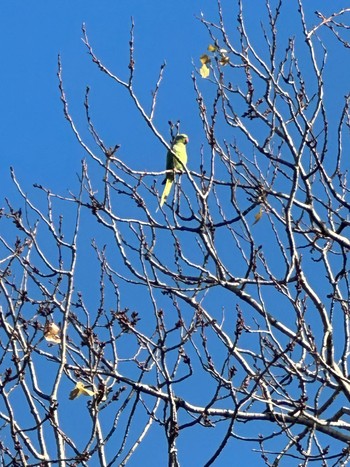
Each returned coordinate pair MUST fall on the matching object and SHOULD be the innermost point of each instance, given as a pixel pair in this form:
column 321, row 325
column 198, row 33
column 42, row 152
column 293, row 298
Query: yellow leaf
column 204, row 59
column 212, row 48
column 79, row 390
column 258, row 216
column 52, row 333
column 204, row 71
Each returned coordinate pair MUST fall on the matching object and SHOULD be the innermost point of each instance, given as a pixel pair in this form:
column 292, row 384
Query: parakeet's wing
column 180, row 159
column 169, row 166
column 169, row 160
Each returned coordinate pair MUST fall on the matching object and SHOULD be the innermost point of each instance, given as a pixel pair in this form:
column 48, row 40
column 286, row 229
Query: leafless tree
column 243, row 334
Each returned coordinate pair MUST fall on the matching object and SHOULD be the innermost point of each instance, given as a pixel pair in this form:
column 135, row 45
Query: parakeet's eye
column 185, row 139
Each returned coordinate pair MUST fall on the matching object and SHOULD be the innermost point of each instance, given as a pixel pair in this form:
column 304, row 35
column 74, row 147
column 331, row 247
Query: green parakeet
column 176, row 160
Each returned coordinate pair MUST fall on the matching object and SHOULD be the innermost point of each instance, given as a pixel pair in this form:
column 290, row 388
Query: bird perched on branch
column 176, row 160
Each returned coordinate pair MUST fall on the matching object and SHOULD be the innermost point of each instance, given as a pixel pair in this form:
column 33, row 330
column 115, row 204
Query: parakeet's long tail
column 166, row 191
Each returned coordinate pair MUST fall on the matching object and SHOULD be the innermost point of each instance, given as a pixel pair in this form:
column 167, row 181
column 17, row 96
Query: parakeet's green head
column 182, row 139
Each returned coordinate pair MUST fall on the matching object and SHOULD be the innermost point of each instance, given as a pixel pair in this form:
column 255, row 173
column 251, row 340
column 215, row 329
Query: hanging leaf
column 224, row 60
column 79, row 390
column 258, row 216
column 204, row 59
column 52, row 333
column 212, row 48
column 204, row 71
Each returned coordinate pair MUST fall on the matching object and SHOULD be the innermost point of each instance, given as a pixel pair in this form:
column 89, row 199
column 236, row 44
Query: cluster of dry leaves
column 52, row 334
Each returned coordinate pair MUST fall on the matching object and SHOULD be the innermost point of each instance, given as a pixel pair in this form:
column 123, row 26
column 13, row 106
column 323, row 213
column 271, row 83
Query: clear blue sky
column 34, row 136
